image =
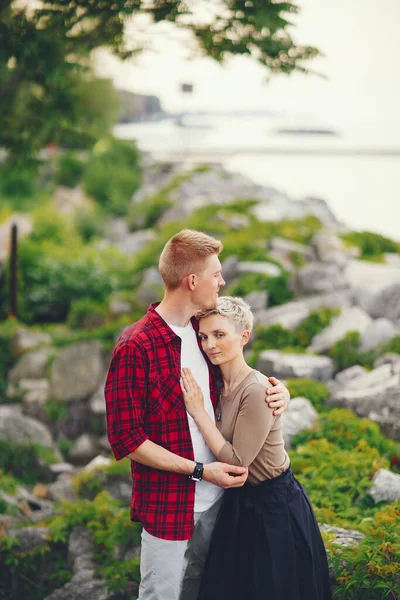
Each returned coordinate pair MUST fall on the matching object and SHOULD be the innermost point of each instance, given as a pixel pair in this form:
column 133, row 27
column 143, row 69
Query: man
column 176, row 480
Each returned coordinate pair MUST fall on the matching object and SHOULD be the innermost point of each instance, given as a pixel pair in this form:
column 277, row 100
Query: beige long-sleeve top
column 253, row 433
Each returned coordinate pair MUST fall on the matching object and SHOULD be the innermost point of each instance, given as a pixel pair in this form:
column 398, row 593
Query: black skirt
column 266, row 546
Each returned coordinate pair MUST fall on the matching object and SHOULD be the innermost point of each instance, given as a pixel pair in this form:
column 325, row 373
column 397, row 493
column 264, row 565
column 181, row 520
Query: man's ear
column 191, row 281
column 245, row 337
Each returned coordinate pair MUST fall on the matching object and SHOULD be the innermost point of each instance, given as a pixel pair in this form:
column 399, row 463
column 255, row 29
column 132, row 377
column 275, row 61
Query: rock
column 77, row 371
column 265, row 268
column 292, row 314
column 40, row 491
column 84, row 449
column 26, row 339
column 299, row 415
column 134, row 242
column 317, row 277
column 98, row 462
column 392, row 259
column 81, row 550
column 385, row 303
column 320, row 209
column 82, row 586
column 97, row 402
column 31, row 365
column 375, row 396
column 75, row 423
column 257, row 300
column 118, row 489
column 389, row 358
column 283, row 249
column 327, row 246
column 347, row 375
column 119, row 305
column 344, row 537
column 371, row 284
column 34, row 394
column 352, row 319
column 116, row 229
column 285, row 366
column 386, row 486
column 151, row 288
column 62, row 467
column 379, row 331
column 230, row 269
column 30, row 537
column 63, row 489
column 18, row 429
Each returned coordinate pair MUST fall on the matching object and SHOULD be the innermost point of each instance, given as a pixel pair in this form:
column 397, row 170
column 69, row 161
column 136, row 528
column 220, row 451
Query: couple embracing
column 223, row 516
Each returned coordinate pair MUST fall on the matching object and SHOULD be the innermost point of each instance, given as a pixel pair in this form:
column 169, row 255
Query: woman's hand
column 192, row 394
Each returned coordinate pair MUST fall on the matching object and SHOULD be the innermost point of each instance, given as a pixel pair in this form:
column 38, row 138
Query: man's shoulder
column 137, row 333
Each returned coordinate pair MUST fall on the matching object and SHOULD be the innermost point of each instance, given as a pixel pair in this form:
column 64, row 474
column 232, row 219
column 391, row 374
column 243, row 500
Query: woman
column 266, row 543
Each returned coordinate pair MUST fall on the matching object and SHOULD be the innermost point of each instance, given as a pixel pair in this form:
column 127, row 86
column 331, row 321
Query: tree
column 45, row 54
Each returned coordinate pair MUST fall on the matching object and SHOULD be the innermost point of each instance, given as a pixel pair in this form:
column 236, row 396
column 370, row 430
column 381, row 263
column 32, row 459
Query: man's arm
column 277, row 396
column 125, row 391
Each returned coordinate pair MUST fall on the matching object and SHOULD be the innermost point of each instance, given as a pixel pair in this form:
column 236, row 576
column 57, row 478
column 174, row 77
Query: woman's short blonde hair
column 184, row 254
column 235, row 309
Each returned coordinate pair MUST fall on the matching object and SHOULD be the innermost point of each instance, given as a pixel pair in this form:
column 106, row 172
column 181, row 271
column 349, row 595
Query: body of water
column 354, row 167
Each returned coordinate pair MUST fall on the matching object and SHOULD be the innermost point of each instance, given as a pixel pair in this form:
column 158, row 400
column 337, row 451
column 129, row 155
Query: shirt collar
column 163, row 327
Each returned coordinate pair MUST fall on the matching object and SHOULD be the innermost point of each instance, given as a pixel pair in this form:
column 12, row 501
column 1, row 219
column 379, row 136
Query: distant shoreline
column 213, row 155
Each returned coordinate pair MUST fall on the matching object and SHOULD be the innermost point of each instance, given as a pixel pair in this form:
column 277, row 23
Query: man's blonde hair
column 233, row 308
column 184, row 253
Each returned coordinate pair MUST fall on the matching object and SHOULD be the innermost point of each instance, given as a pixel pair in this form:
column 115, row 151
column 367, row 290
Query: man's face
column 208, row 282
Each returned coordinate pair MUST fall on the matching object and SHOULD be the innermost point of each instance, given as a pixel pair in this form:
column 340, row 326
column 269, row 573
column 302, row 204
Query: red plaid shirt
column 144, row 401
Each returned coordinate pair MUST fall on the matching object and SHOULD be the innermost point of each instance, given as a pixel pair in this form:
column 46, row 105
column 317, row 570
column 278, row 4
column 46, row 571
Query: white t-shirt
column 192, row 358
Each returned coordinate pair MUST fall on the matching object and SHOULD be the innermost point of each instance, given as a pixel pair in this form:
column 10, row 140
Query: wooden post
column 12, row 310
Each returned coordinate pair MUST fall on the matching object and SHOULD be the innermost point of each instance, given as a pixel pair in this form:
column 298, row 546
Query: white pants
column 171, row 570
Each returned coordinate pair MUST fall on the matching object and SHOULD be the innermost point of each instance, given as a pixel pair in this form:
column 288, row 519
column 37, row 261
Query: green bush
column 315, row 391
column 89, row 223
column 18, row 180
column 69, row 170
column 277, row 287
column 112, row 175
column 346, row 352
column 25, row 461
column 316, row 322
column 343, row 428
column 372, row 245
column 86, row 314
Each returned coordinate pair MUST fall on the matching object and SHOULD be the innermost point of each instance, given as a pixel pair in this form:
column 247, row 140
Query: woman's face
column 220, row 340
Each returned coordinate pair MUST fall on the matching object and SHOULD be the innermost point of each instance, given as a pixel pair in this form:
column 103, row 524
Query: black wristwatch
column 197, row 474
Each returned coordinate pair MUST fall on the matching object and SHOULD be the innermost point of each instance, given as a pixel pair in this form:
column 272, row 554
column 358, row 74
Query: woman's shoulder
column 257, row 382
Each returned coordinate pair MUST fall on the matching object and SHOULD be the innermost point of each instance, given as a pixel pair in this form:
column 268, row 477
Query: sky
column 361, row 47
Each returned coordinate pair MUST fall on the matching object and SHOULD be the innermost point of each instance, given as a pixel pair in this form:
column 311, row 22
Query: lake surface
column 356, row 169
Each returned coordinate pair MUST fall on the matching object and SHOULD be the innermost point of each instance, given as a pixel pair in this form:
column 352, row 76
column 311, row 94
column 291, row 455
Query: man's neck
column 175, row 309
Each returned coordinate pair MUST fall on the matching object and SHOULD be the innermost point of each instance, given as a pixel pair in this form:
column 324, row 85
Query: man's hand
column 220, row 474
column 277, row 397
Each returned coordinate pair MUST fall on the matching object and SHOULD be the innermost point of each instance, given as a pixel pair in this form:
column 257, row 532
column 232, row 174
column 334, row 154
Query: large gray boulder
column 265, row 268
column 385, row 303
column 17, row 428
column 300, row 414
column 81, row 550
column 31, row 365
column 134, row 242
column 285, row 366
column 348, row 375
column 352, row 319
column 82, row 586
column 375, row 287
column 30, row 537
column 343, row 537
column 379, row 331
column 376, row 396
column 318, row 277
column 386, row 486
column 151, row 288
column 77, row 371
column 26, row 339
column 292, row 314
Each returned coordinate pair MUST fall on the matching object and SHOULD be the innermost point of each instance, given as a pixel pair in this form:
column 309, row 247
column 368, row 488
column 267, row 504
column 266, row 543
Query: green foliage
column 392, row 346
column 343, row 428
column 372, row 569
column 372, row 245
column 316, row 322
column 32, row 573
column 113, row 174
column 89, row 223
column 315, row 391
column 70, row 168
column 346, row 352
column 88, row 484
column 55, row 411
column 277, row 287
column 86, row 314
column 111, row 529
column 337, row 480
column 25, row 461
column 18, row 180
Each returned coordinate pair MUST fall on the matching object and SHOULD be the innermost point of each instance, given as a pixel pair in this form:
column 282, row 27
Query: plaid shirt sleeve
column 125, row 394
